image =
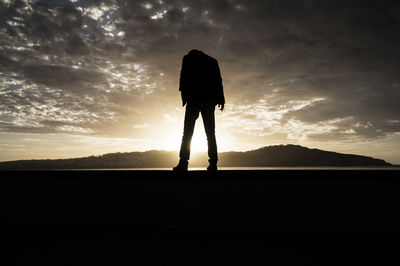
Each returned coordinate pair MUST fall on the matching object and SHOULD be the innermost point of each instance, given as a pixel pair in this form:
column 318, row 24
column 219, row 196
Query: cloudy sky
column 89, row 77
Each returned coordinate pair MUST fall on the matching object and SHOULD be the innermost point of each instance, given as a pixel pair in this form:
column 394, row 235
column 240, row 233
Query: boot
column 212, row 168
column 181, row 167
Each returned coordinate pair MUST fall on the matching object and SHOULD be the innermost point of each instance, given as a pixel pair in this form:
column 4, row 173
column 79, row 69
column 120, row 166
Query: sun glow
column 171, row 139
column 199, row 142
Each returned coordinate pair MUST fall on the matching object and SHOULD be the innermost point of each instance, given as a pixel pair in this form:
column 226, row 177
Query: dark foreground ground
column 310, row 217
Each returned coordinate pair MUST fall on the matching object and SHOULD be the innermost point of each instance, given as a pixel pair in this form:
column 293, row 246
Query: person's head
column 195, row 52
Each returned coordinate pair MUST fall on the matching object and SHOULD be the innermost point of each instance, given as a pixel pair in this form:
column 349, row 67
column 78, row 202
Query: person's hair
column 195, row 52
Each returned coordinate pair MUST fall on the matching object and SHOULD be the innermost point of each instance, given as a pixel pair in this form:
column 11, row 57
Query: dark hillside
column 270, row 156
column 294, row 155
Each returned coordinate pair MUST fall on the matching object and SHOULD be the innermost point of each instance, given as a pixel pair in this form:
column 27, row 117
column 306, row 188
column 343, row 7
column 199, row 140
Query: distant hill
column 295, row 155
column 279, row 155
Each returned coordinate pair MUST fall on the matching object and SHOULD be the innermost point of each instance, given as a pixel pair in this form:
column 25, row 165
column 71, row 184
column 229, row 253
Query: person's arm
column 220, row 88
column 182, row 79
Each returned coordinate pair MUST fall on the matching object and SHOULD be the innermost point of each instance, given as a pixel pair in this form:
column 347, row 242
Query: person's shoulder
column 212, row 59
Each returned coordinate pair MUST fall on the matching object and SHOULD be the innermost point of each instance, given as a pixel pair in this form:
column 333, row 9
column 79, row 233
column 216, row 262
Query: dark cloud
column 102, row 65
column 63, row 77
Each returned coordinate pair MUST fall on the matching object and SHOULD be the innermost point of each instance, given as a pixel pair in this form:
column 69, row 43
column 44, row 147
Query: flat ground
column 52, row 216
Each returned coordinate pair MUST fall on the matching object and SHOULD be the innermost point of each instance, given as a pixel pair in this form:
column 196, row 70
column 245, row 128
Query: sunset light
column 110, row 71
column 129, row 127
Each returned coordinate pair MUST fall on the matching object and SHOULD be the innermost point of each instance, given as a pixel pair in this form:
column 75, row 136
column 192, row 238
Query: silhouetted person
column 201, row 90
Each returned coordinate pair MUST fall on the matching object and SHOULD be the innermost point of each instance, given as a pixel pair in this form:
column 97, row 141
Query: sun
column 199, row 142
column 171, row 139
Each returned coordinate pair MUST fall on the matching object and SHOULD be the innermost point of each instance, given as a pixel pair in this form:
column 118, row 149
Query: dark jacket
column 200, row 79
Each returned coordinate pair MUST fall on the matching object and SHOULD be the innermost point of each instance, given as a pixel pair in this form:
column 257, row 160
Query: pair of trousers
column 191, row 114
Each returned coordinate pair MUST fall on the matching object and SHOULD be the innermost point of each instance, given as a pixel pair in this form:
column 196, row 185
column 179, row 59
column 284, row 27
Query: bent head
column 195, row 52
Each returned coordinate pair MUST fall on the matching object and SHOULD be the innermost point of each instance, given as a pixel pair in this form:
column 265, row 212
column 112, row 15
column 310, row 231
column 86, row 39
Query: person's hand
column 221, row 106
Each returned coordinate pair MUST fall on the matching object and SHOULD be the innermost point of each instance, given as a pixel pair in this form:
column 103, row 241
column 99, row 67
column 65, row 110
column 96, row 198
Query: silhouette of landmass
column 269, row 156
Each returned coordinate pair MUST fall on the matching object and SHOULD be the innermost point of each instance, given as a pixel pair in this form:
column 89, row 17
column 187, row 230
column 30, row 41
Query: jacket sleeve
column 220, row 88
column 182, row 81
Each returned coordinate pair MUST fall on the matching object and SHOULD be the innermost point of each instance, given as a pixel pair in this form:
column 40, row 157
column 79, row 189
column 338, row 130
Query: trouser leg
column 209, row 125
column 191, row 114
